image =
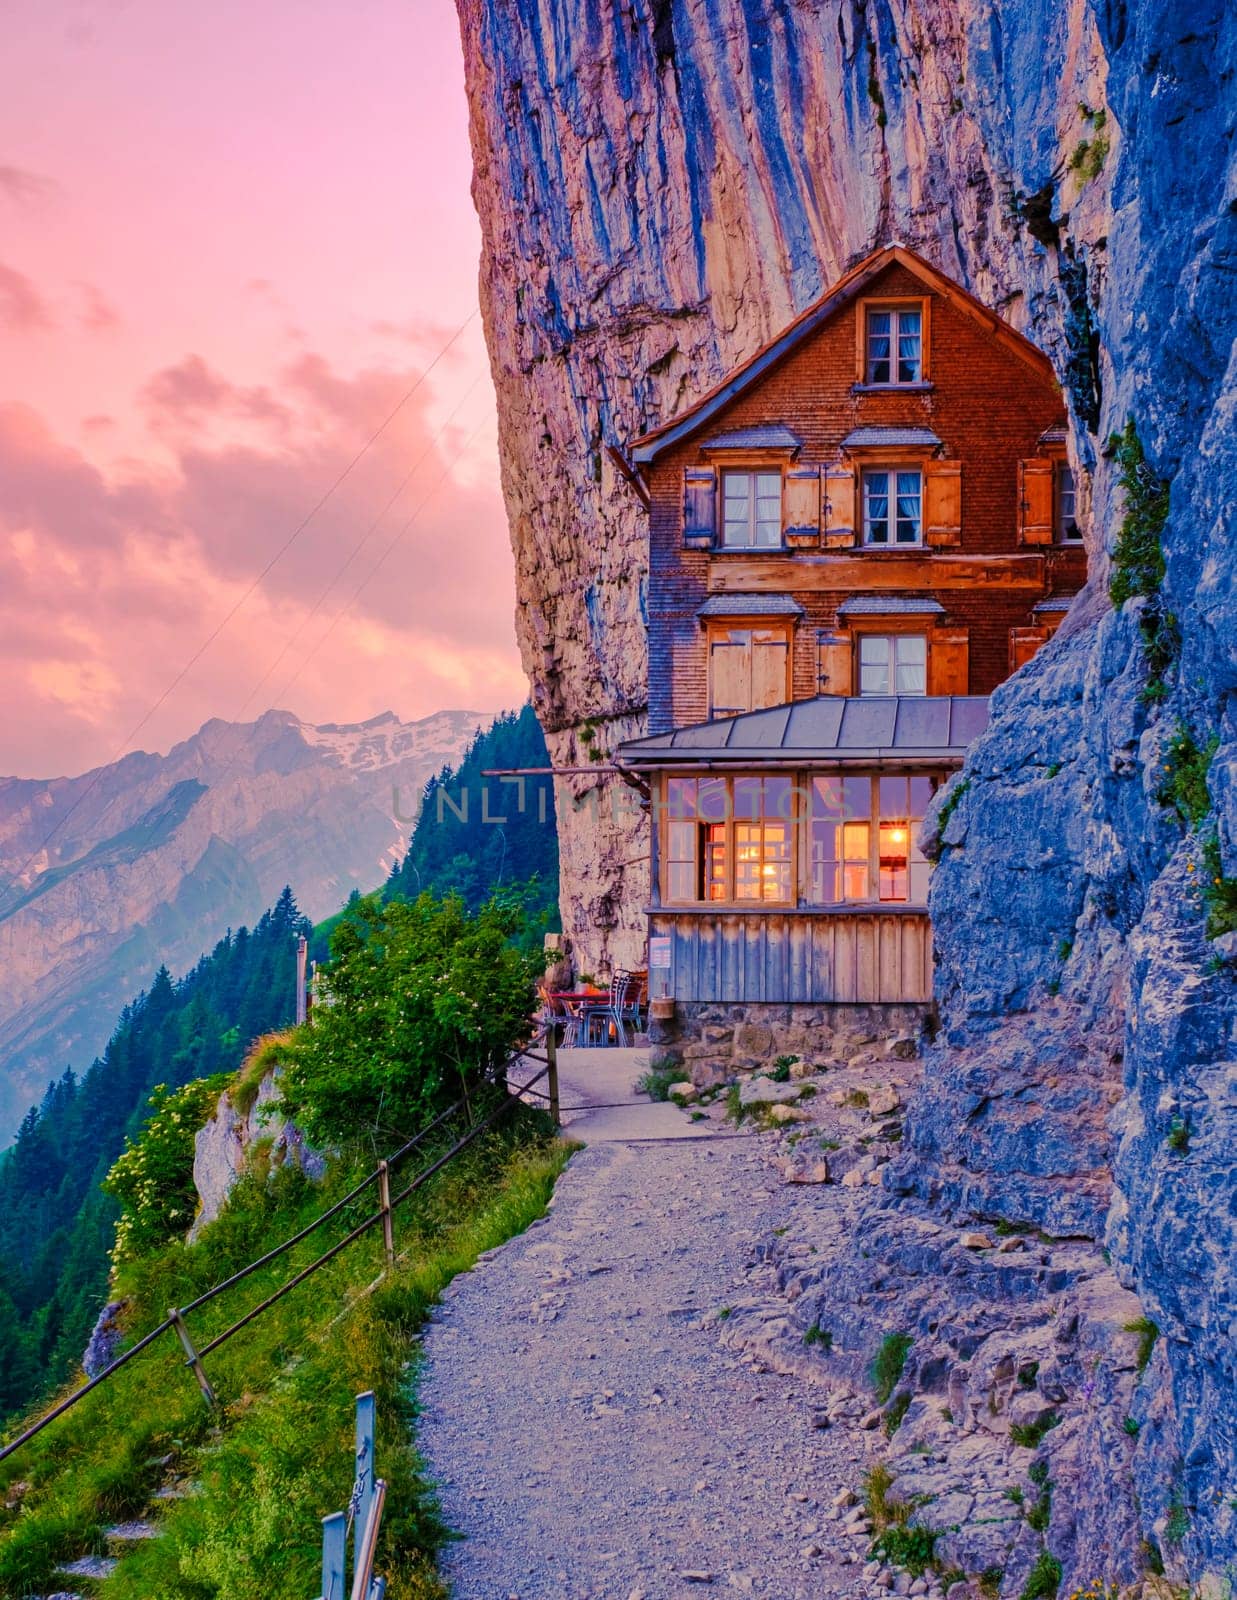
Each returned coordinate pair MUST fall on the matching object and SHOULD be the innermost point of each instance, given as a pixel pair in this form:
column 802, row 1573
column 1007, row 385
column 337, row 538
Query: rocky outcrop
column 152, row 859
column 660, row 187
column 224, row 1149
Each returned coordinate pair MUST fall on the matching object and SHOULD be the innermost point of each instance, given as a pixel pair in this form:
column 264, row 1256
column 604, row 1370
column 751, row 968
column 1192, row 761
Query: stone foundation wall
column 718, row 1042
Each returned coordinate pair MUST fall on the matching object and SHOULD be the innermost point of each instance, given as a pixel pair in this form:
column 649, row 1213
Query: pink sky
column 231, row 238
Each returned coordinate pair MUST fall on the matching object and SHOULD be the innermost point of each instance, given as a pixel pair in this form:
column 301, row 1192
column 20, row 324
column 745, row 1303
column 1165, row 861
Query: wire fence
column 174, row 1322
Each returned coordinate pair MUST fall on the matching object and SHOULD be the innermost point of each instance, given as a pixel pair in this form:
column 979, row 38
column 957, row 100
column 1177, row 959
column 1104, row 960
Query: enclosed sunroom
column 785, row 849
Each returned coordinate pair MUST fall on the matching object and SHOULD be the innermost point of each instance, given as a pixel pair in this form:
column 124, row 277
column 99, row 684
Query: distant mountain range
column 151, row 859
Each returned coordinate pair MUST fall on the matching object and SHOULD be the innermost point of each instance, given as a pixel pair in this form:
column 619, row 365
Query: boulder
column 764, row 1092
column 221, row 1149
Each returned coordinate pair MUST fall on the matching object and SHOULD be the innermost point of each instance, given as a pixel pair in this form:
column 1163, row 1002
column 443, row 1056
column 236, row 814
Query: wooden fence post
column 384, row 1204
column 334, row 1555
column 363, row 1480
column 191, row 1356
column 551, row 1055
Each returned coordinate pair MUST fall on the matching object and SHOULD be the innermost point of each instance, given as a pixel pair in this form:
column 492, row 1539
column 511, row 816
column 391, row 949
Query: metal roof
column 770, row 437
column 858, row 437
column 750, row 605
column 828, row 731
column 889, row 605
column 1056, row 602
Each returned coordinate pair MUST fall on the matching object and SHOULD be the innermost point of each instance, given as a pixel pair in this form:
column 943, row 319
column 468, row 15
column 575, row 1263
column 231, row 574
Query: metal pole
column 302, row 955
column 551, row 1055
column 192, row 1358
column 334, row 1555
column 367, row 1543
column 384, row 1204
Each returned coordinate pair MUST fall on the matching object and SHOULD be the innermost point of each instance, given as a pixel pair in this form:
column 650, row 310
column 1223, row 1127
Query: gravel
column 591, row 1437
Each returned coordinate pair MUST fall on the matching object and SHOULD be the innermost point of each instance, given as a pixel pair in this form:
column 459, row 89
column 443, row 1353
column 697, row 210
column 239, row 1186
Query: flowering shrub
column 421, row 1002
column 1097, row 1589
column 153, row 1178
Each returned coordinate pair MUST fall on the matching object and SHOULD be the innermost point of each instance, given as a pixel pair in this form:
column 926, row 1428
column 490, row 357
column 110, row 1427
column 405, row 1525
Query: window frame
column 893, row 304
column 894, row 636
column 890, row 470
column 801, row 874
column 1061, row 470
column 752, row 471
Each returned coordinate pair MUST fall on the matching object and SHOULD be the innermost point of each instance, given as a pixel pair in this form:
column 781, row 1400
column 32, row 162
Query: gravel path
column 589, row 1434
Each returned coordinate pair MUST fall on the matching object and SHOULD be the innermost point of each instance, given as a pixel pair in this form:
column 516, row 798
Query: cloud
column 191, row 390
column 25, row 188
column 22, row 307
column 108, row 584
column 95, row 314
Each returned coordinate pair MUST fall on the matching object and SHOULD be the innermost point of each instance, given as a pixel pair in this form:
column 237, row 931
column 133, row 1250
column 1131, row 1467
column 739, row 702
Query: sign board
column 659, row 952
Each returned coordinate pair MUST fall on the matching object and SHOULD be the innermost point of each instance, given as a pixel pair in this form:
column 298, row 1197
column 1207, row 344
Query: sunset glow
column 231, row 242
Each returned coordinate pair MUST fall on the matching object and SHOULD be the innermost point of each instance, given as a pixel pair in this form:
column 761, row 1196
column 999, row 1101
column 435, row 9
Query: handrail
column 175, row 1321
column 281, row 1249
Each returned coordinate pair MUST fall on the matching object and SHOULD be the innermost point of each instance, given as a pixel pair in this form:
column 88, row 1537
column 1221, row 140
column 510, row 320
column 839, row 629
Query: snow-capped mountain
column 151, row 859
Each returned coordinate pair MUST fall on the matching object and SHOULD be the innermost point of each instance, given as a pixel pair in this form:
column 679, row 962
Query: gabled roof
column 831, row 730
column 649, row 446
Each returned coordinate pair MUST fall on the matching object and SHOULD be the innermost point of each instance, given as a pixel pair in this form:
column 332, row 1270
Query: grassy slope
column 278, row 1454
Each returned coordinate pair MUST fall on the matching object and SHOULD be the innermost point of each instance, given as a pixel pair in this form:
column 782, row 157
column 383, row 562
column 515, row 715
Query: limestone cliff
column 661, row 185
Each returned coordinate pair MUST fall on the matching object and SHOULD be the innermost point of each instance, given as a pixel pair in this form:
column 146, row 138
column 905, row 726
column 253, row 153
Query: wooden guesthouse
column 853, row 539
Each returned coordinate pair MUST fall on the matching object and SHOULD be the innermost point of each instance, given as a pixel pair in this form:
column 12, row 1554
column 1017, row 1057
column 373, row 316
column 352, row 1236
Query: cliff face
column 661, row 186
column 156, row 856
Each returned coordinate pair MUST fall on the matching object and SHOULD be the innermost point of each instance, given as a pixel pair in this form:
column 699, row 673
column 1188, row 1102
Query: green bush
column 1148, row 1332
column 903, row 1546
column 888, row 1363
column 1185, row 776
column 658, row 1083
column 1030, row 1434
column 153, row 1177
column 1138, row 556
column 1219, row 892
column 421, row 1002
column 1044, row 1578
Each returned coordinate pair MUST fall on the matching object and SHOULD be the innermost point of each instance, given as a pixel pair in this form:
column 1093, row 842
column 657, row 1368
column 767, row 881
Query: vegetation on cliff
column 56, row 1223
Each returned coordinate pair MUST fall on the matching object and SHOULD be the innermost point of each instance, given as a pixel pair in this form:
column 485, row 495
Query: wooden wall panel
column 787, row 958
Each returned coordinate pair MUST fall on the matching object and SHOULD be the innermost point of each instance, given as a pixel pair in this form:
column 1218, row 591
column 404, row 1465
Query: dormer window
column 892, row 507
column 751, row 510
column 894, row 345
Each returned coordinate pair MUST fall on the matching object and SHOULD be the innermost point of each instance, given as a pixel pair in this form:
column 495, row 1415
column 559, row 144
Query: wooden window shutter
column 770, row 658
column 1035, row 501
column 801, row 507
column 699, row 507
column 949, row 661
column 834, row 655
column 839, row 518
column 942, row 502
column 1023, row 643
column 730, row 676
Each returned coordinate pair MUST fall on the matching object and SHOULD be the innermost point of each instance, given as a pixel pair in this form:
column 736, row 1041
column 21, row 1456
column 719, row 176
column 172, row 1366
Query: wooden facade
column 798, row 957
column 878, row 505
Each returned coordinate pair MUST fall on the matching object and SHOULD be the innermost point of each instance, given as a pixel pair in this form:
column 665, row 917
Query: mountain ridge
column 149, row 859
